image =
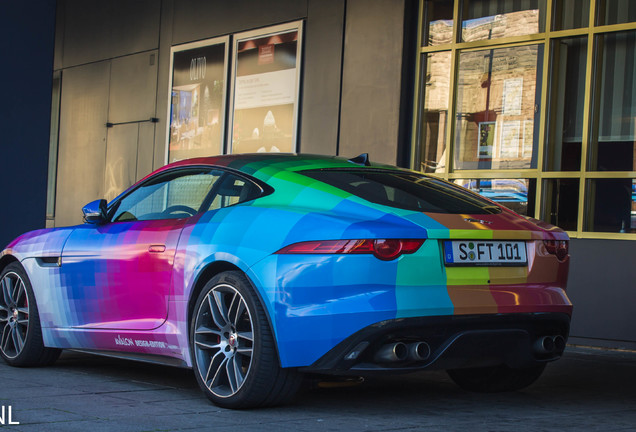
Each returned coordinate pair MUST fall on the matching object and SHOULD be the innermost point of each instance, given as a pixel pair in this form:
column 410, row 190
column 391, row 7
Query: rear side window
column 232, row 189
column 404, row 190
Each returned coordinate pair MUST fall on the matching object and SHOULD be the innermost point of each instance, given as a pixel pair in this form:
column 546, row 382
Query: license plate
column 485, row 253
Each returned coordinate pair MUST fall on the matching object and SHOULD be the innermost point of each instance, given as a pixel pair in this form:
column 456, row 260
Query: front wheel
column 495, row 378
column 20, row 332
column 233, row 351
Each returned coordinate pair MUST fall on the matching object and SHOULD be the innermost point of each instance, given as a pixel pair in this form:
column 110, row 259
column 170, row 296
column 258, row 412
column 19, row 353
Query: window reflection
column 432, row 150
column 616, row 11
column 567, row 93
column 561, row 203
column 497, row 108
column 439, row 22
column 570, row 14
column 516, row 194
column 612, row 205
column 615, row 146
column 491, row 19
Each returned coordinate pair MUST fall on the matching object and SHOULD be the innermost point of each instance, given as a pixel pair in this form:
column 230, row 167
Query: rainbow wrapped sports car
column 255, row 270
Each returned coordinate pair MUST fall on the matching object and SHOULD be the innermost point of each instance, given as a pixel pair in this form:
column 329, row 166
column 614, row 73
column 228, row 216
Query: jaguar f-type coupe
column 258, row 270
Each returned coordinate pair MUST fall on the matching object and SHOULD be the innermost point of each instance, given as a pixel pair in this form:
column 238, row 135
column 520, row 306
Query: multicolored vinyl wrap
column 113, row 292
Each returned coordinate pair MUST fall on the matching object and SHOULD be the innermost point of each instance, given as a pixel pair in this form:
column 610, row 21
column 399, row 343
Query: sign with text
column 197, row 104
column 265, row 97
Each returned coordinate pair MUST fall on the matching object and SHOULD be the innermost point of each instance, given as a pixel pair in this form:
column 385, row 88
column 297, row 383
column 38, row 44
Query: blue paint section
column 319, row 300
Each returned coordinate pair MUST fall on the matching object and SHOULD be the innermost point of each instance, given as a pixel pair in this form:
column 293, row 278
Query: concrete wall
column 27, row 32
column 602, row 287
column 372, row 74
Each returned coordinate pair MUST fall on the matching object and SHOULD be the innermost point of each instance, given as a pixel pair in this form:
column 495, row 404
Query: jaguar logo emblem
column 480, row 221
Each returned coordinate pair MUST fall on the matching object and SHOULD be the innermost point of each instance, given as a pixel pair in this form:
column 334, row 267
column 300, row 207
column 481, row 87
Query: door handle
column 156, row 248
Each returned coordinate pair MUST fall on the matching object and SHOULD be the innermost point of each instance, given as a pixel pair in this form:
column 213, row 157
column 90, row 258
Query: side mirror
column 95, row 212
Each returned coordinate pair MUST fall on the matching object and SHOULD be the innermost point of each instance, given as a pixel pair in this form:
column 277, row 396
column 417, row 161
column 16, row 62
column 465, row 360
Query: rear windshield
column 409, row 191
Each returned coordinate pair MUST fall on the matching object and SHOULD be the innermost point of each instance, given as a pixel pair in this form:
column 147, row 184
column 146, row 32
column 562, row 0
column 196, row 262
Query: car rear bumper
column 453, row 342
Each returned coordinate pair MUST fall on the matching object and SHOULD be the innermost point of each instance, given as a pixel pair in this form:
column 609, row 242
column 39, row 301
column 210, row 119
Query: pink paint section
column 531, row 298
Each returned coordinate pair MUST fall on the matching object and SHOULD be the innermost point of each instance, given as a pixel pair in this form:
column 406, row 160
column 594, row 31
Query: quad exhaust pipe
column 392, row 352
column 399, row 351
column 549, row 345
column 419, row 351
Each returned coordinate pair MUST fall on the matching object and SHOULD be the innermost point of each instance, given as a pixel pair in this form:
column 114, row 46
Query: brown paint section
column 472, row 299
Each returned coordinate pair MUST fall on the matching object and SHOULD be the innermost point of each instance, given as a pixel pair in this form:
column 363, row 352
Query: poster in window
column 512, row 96
column 197, row 99
column 510, row 131
column 528, row 139
column 265, row 92
column 486, row 140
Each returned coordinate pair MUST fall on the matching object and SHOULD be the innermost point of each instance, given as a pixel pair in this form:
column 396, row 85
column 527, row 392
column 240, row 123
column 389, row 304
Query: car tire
column 495, row 378
column 233, row 352
column 21, row 341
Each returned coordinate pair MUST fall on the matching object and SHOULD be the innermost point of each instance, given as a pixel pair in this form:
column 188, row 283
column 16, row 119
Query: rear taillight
column 384, row 249
column 557, row 247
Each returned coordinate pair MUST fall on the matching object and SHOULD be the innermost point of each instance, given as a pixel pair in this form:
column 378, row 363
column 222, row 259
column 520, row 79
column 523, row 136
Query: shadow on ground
column 586, row 390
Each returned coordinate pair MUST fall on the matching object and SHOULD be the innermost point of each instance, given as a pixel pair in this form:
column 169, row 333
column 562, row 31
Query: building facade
column 531, row 103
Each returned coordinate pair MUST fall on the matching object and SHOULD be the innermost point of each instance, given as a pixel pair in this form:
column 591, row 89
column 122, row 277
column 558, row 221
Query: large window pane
column 197, row 104
column 491, row 19
column 498, row 93
column 434, row 118
column 265, row 100
column 567, row 92
column 614, row 148
column 611, row 205
column 616, row 11
column 516, row 194
column 561, row 203
column 438, row 19
column 570, row 14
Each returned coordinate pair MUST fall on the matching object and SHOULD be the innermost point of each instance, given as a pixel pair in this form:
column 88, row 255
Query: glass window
column 53, row 144
column 438, row 16
column 570, row 14
column 611, row 205
column 614, row 148
column 567, row 93
column 171, row 196
column 498, row 93
column 561, row 203
column 492, row 19
column 404, row 190
column 231, row 190
column 434, row 118
column 266, row 75
column 616, row 11
column 516, row 194
column 197, row 106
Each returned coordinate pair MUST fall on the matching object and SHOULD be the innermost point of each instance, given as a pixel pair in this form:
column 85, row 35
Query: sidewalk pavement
column 587, row 390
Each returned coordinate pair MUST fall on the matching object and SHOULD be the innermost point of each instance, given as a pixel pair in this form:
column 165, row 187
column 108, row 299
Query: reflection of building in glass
column 497, row 87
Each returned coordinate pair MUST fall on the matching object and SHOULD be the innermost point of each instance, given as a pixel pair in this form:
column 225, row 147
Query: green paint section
column 467, row 275
column 471, row 234
column 421, row 283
